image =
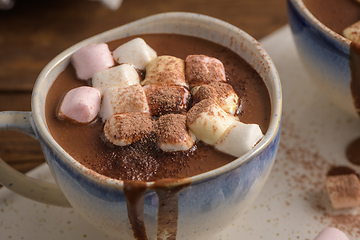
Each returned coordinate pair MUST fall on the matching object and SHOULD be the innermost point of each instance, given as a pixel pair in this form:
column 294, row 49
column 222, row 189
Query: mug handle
column 31, row 188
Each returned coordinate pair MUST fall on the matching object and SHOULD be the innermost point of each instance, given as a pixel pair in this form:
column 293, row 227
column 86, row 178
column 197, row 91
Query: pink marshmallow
column 331, row 233
column 80, row 104
column 92, row 59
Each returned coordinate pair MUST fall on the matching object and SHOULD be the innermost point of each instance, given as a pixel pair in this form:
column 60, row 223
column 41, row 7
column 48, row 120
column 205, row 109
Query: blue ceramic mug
column 210, row 201
column 325, row 55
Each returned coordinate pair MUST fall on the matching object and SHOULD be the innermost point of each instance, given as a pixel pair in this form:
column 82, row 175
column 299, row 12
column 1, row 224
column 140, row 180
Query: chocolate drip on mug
column 135, row 194
column 167, row 214
column 168, row 208
column 355, row 74
column 353, row 149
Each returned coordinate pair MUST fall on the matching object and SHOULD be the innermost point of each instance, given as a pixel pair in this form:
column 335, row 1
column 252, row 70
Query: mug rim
column 269, row 136
column 301, row 7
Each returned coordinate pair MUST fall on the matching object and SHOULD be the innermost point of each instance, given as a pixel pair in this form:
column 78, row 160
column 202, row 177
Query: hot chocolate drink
column 147, row 160
column 146, row 163
column 335, row 14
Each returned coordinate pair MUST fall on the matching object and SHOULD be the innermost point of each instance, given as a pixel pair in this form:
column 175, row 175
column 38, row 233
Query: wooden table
column 35, row 31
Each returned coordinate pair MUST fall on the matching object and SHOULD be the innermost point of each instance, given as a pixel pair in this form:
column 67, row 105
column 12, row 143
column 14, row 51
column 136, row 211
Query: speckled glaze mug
column 210, row 201
column 324, row 53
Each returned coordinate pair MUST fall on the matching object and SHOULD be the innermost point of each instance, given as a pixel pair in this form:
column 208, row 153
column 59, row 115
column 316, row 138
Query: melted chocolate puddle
column 167, row 211
column 353, row 151
column 341, row 170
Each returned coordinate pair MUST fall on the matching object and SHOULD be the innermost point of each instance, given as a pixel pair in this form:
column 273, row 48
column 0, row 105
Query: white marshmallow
column 181, row 145
column 208, row 121
column 135, row 52
column 222, row 93
column 331, row 233
column 163, row 99
column 119, row 76
column 127, row 128
column 343, row 190
column 239, row 138
column 172, row 133
column 227, row 98
column 165, row 70
column 353, row 32
column 80, row 104
column 201, row 69
column 91, row 59
column 122, row 100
